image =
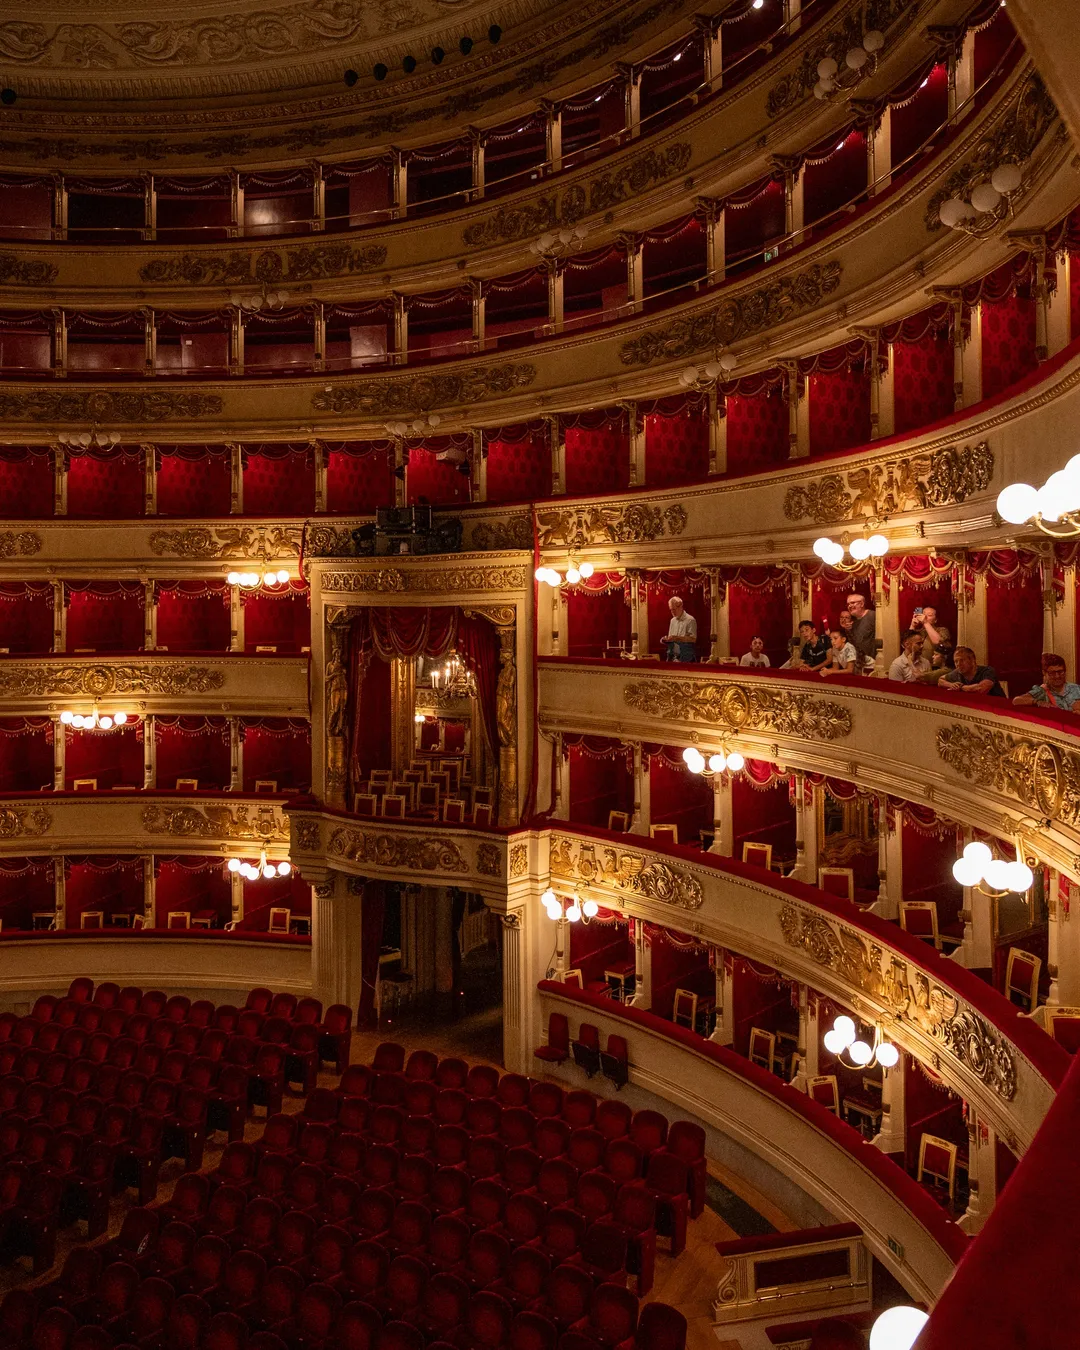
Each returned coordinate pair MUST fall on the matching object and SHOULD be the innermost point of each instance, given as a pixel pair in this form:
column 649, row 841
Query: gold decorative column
column 402, row 710
column 336, row 700
column 506, row 706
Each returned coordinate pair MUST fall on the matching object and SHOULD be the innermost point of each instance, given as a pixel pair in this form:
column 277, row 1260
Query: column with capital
column 631, row 76
column 982, row 1173
column 636, row 425
column 479, row 313
column 517, row 1053
column 711, row 212
column 399, row 183
column 552, row 134
column 639, row 612
column 723, row 843
column 399, row 356
column 555, row 292
column 892, row 1133
column 723, row 1032
column 631, row 244
column 336, row 917
column 641, row 819
column 890, row 862
column 557, row 444
column 712, row 48
column 335, row 691
column 720, row 634
column 478, row 142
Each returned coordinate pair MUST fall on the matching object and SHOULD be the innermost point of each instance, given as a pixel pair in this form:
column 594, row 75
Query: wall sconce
column 844, row 1036
column 859, row 62
column 979, row 869
column 254, row 870
column 990, row 204
column 575, row 572
column 559, row 910
column 249, row 580
column 1054, row 508
column 729, row 760
column 94, row 721
column 861, row 550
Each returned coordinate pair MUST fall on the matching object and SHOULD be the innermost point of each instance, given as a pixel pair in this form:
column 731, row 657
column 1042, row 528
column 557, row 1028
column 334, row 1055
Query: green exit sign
column 897, row 1248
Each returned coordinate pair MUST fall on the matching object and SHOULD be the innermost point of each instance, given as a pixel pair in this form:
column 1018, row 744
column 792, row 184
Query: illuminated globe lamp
column 862, row 550
column 249, row 580
column 978, row 869
column 843, row 1035
column 695, row 761
column 1053, row 508
column 94, row 721
column 575, row 912
column 575, row 572
column 859, row 61
column 898, row 1328
column 988, row 203
column 262, row 869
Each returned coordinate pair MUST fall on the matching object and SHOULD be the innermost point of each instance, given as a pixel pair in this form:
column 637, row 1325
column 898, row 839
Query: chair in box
column 381, row 776
column 684, row 1009
column 393, row 806
column 427, row 798
column 364, row 803
column 824, row 1091
column 453, row 810
column 838, row 881
column 265, row 785
column 420, row 766
column 482, row 796
column 937, row 1166
column 179, row 918
column 864, row 1103
column 618, row 820
column 758, row 855
column 405, row 789
column 669, row 834
column 558, row 1042
column 586, row 1049
column 84, row 785
column 279, row 919
column 482, row 815
column 762, row 1049
column 187, row 785
column 1022, row 979
column 920, row 919
column 1065, row 1028
column 92, row 918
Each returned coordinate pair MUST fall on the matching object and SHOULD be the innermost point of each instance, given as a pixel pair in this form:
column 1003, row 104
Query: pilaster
column 723, row 842
column 892, row 1136
column 641, row 820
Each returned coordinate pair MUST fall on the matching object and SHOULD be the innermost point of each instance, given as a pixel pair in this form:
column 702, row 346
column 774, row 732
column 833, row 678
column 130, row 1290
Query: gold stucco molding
column 414, row 853
column 19, row 543
column 17, row 822
column 576, row 526
column 625, row 870
column 263, row 825
column 1045, row 777
column 306, row 262
column 738, row 707
column 263, row 542
column 419, row 393
column 46, row 680
column 392, row 580
column 106, row 405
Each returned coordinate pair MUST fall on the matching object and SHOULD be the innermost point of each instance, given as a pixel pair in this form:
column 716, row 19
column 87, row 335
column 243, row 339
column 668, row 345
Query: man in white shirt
column 756, row 655
column 910, row 666
column 681, row 641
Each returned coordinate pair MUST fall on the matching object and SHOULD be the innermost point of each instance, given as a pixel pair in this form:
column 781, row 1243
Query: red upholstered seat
column 557, row 1048
column 649, row 1130
column 227, row 1102
column 418, row 1097
column 449, row 1190
column 526, row 1276
column 487, row 1203
column 489, row 1320
column 486, row 1259
column 452, row 1073
column 358, row 1327
column 422, row 1064
column 389, row 1058
column 450, row 1106
column 612, row 1317
column 356, row 1081
column 259, row 1225
column 259, row 999
column 661, row 1327
column 366, row 1266
column 483, row 1115
column 669, row 1178
column 533, row 1331
column 448, row 1241
column 335, row 1036
column 208, row 1258
column 687, row 1142
column 513, row 1089
column 278, row 1297
column 569, row 1292
column 446, row 1299
column 615, row 1061
column 521, row 1166
column 551, row 1138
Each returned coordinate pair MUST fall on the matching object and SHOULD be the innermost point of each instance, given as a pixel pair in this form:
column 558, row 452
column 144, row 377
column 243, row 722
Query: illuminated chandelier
column 260, row 869
column 729, row 761
column 863, row 1055
column 861, row 550
column 989, row 206
column 94, row 721
column 453, row 678
column 978, row 869
column 860, row 61
column 560, row 910
column 250, row 580
column 575, row 572
column 1054, row 508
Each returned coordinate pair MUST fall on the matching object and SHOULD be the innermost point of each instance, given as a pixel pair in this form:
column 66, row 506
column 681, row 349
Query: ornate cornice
column 576, row 526
column 743, row 315
column 102, row 681
column 625, row 870
column 105, row 405
column 392, row 580
column 1038, row 773
column 908, row 994
column 419, row 393
column 19, row 543
column 17, row 822
column 307, row 262
column 262, row 825
column 495, row 535
column 17, row 272
column 943, row 477
column 740, row 707
column 263, row 542
column 413, row 853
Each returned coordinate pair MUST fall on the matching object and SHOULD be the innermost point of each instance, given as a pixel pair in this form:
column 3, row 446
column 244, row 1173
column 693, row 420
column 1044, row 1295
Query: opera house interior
column 480, row 471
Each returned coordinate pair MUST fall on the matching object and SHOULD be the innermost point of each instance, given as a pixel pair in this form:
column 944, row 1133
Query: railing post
column 552, row 134
column 149, row 753
column 641, row 819
column 982, row 1172
column 236, row 755
column 478, row 141
column 149, row 892
column 557, row 443
column 712, row 43
column 59, row 755
column 892, row 1135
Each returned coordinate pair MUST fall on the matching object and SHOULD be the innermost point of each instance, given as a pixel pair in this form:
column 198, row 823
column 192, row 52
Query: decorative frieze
column 262, row 825
column 576, row 526
column 739, row 317
column 411, row 394
column 519, row 860
column 267, row 543
column 19, row 272
column 102, row 406
column 19, row 543
column 46, row 680
column 308, row 835
column 626, row 870
column 489, row 860
column 413, row 853
column 16, row 822
column 739, row 707
column 1043, row 776
column 238, row 267
column 512, row 532
column 943, row 477
column 392, row 580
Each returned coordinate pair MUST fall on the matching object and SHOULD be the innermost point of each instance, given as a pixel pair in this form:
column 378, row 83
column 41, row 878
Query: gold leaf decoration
column 739, row 706
column 21, row 272
column 625, row 869
column 739, row 317
column 519, row 860
column 259, row 825
column 15, row 822
column 267, row 543
column 419, row 393
column 945, row 477
column 414, row 853
column 308, row 836
column 19, row 544
column 390, row 580
column 306, row 262
column 104, row 405
column 1037, row 772
column 514, row 532
column 489, row 860
column 576, row 526
column 42, row 680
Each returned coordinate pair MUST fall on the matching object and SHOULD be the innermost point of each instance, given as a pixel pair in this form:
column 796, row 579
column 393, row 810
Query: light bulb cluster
column 254, row 871
column 830, row 77
column 249, row 580
column 556, row 243
column 574, row 573
column 861, row 549
column 696, row 762
column 264, row 299
column 417, row 427
column 843, row 1035
column 989, row 200
column 1054, row 508
column 102, row 439
column 724, row 364
column 94, row 721
column 977, row 867
column 574, row 912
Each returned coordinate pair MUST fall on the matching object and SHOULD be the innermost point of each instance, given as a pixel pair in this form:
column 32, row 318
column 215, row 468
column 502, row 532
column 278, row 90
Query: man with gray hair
column 681, row 641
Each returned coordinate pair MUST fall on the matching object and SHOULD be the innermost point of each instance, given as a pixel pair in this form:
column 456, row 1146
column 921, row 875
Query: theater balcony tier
column 157, row 235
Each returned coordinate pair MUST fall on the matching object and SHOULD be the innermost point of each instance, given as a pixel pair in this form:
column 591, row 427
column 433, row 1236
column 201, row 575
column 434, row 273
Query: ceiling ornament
column 740, row 707
column 103, row 406
column 944, row 477
column 44, row 680
column 308, row 262
column 799, row 84
column 16, row 822
column 1043, row 776
column 1012, row 140
column 19, row 543
column 392, row 580
column 514, row 532
column 740, row 317
column 413, row 853
column 262, row 824
column 626, row 870
column 419, row 393
column 18, row 272
column 577, row 526
column 266, row 543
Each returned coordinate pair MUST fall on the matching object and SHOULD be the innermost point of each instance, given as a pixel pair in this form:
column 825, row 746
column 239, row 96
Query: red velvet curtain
column 432, row 480
column 26, row 754
column 839, row 410
column 681, row 964
column 758, row 1001
column 926, row 863
column 279, row 483
column 940, row 597
column 201, row 886
column 760, row 613
column 752, row 222
column 26, row 885
column 922, row 382
column 114, row 758
column 112, row 885
column 600, row 780
column 833, row 183
column 277, row 619
column 359, row 482
column 105, row 487
column 193, row 617
column 104, row 616
column 757, row 431
column 26, row 616
column 676, row 448
column 764, row 815
column 192, row 747
column 593, row 619
column 827, row 599
column 26, row 483
column 679, row 797
column 193, row 487
column 597, row 459
column 278, row 749
column 519, row 470
column 478, row 643
column 600, row 945
column 916, row 118
column 371, row 720
column 1008, row 342
column 1014, row 625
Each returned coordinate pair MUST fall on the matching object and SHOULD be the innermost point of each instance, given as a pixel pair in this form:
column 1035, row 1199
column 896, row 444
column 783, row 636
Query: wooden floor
column 688, row 1283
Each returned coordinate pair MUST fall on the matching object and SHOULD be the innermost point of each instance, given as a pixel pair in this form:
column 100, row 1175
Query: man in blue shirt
column 1056, row 691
